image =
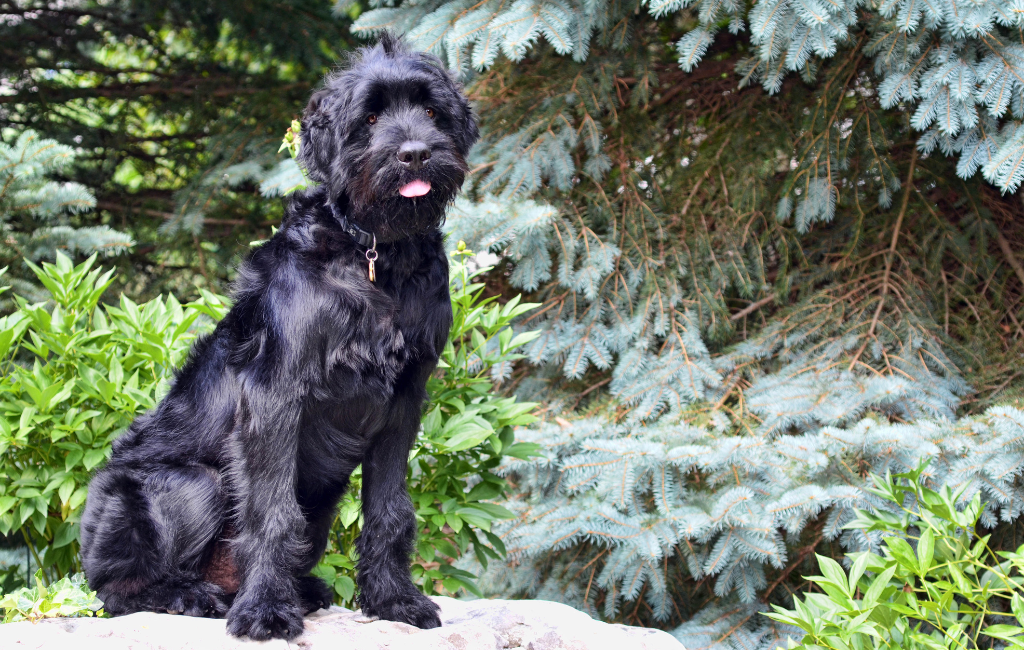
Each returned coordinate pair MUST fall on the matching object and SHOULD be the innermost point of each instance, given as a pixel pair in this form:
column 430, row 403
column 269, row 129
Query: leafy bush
column 68, row 597
column 467, row 432
column 937, row 583
column 75, row 374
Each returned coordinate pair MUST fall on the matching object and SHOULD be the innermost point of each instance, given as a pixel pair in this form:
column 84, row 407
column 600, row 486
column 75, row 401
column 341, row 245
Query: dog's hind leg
column 145, row 535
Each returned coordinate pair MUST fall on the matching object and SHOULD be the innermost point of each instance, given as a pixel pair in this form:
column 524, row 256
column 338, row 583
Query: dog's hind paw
column 264, row 619
column 193, row 598
column 414, row 609
column 314, row 593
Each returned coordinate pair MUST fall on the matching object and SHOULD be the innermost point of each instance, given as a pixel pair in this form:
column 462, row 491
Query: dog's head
column 388, row 136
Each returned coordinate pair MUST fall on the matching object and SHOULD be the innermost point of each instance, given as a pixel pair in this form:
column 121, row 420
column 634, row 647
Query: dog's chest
column 422, row 316
column 380, row 327
column 378, row 372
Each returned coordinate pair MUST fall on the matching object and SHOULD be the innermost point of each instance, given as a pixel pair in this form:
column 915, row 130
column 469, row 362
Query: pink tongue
column 414, row 189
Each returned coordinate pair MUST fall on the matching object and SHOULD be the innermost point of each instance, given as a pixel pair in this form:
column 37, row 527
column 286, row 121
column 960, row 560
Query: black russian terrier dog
column 225, row 493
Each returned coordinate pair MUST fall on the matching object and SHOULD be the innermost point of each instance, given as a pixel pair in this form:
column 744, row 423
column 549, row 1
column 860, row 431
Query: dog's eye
column 430, row 113
column 372, row 119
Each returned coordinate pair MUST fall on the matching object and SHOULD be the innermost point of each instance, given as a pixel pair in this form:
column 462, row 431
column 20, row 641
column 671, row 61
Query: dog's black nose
column 414, row 154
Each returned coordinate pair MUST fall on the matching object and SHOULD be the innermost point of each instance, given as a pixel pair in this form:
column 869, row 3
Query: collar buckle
column 363, row 238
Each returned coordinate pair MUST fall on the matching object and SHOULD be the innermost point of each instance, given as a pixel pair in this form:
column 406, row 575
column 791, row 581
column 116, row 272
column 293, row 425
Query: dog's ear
column 317, row 150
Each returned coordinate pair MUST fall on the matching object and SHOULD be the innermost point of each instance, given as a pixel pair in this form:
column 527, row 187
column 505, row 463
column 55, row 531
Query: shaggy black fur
column 231, row 483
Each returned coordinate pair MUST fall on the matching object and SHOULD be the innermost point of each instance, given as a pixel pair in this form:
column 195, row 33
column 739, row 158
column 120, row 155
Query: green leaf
column 522, row 339
column 484, row 490
column 94, row 457
column 925, row 550
column 1016, row 603
column 25, row 421
column 959, row 579
column 902, row 553
column 66, row 533
column 477, row 339
column 831, row 570
column 432, row 421
column 879, row 584
column 860, row 565
column 496, row 542
column 465, row 430
column 1005, row 632
column 77, row 498
column 524, row 450
column 73, row 458
column 345, row 587
column 6, row 339
column 454, row 521
column 324, row 572
column 67, row 487
column 494, row 510
column 445, row 547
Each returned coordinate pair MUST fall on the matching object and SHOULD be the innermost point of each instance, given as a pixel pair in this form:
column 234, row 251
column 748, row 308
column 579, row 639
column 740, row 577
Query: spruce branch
column 752, row 307
column 890, row 256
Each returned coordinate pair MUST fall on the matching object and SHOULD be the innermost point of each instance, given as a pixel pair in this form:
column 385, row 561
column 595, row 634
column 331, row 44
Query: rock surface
column 467, row 625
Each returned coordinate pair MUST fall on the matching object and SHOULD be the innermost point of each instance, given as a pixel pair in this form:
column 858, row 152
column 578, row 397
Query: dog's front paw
column 261, row 619
column 413, row 608
column 314, row 593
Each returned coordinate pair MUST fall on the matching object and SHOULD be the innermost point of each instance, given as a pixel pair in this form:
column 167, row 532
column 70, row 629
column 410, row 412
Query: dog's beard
column 396, row 217
column 376, row 205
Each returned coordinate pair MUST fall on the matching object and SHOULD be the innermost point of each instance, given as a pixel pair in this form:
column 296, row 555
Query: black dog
column 230, row 485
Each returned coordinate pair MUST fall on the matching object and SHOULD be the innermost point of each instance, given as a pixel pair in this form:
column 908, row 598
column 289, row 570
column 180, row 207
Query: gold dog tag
column 371, row 257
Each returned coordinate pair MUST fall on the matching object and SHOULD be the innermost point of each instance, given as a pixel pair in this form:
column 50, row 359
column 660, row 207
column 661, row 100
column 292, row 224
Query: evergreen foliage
column 961, row 63
column 34, row 210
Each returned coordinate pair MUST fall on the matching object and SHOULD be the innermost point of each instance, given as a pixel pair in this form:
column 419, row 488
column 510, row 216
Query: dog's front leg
column 269, row 519
column 389, row 528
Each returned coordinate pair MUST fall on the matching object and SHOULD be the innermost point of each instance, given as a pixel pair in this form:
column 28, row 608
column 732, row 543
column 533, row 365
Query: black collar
column 365, row 239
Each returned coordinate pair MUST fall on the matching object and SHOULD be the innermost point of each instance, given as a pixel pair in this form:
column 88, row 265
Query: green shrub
column 75, row 374
column 68, row 597
column 937, row 583
column 467, row 429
